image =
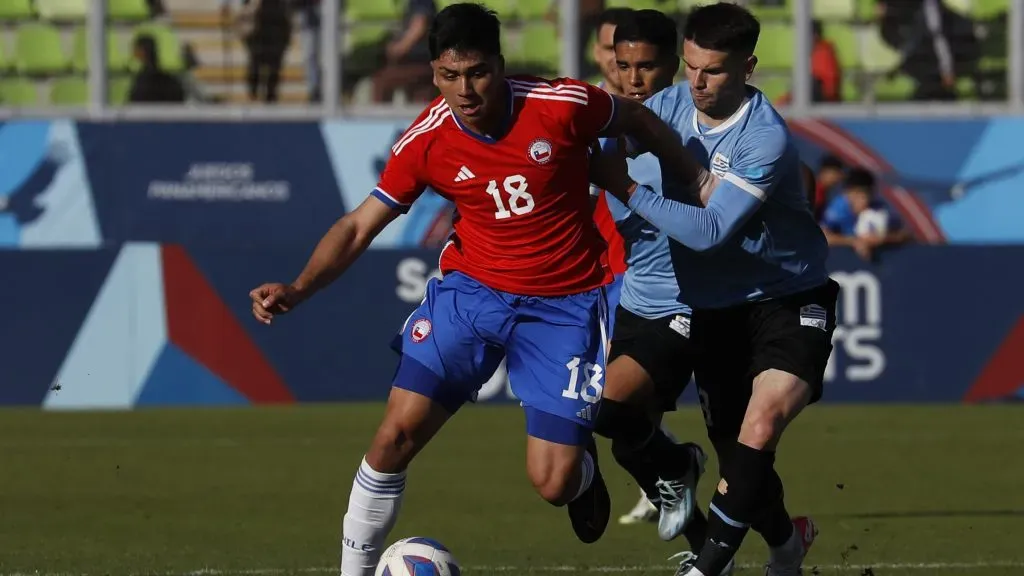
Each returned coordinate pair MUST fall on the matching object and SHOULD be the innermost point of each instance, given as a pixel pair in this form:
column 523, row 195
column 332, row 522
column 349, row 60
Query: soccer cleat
column 643, row 512
column 688, row 560
column 590, row 512
column 679, row 497
column 806, row 532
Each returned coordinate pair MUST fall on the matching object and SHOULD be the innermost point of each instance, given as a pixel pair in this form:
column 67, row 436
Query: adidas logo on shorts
column 584, row 413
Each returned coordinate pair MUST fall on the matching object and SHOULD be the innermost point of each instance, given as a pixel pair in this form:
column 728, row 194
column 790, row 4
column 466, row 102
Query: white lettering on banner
column 859, row 327
column 412, row 286
column 412, row 279
column 220, row 182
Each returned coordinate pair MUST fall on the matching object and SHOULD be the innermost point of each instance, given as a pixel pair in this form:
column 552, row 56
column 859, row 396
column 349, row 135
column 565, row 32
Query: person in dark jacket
column 152, row 84
column 266, row 35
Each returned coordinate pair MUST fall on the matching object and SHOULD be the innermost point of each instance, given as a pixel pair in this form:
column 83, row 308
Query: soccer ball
column 417, row 557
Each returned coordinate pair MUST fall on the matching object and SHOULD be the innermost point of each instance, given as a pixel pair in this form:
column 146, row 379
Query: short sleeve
column 596, row 112
column 400, row 182
column 757, row 166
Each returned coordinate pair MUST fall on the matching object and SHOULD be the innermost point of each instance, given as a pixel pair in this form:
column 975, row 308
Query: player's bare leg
column 750, row 487
column 409, row 422
column 569, row 475
column 667, row 472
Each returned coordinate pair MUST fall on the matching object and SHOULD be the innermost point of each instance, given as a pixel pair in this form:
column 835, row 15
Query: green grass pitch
column 899, row 490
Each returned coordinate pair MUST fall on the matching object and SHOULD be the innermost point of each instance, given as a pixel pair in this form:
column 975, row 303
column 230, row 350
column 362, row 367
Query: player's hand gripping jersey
column 523, row 222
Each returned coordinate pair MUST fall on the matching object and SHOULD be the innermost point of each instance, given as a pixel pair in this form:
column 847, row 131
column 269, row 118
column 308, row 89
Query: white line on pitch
column 914, row 566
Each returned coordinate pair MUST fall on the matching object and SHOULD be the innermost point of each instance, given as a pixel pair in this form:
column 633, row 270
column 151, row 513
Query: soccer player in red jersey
column 524, row 272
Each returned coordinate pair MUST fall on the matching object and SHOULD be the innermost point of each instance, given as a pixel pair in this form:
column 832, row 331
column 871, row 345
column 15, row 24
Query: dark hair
column 652, row 27
column 860, row 178
column 725, row 27
column 817, row 28
column 612, row 16
column 830, row 161
column 465, row 27
column 147, row 45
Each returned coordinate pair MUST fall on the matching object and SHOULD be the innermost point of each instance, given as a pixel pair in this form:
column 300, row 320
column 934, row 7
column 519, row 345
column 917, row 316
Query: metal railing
column 332, row 40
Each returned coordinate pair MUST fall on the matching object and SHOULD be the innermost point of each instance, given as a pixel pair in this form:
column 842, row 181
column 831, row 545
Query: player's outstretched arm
column 652, row 134
column 734, row 200
column 343, row 243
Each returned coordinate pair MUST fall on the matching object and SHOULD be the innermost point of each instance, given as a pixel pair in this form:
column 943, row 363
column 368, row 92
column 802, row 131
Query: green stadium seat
column 118, row 89
column 866, row 10
column 961, row 6
column 834, row 9
column 18, row 92
column 769, row 12
column 16, row 10
column 69, row 91
column 116, row 58
column 62, row 10
column 774, row 86
column 850, row 90
column 167, row 46
column 128, row 10
column 363, row 10
column 988, row 9
column 898, row 89
column 639, row 5
column 540, row 48
column 365, row 35
column 38, row 50
column 775, row 46
column 876, row 55
column 844, row 38
column 530, row 9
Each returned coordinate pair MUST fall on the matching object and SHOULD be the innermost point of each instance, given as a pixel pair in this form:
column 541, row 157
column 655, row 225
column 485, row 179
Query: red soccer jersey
column 610, row 233
column 523, row 219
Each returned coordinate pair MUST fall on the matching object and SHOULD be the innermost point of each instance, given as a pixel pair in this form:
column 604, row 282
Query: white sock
column 373, row 508
column 669, row 433
column 587, row 475
column 694, row 572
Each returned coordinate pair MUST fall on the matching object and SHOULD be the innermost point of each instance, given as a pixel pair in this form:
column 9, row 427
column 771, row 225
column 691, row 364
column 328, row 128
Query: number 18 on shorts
column 554, row 346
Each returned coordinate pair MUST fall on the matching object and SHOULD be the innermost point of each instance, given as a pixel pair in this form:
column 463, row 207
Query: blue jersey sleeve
column 739, row 193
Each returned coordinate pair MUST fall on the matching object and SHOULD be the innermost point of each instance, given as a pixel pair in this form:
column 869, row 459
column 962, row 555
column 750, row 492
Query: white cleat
column 679, row 497
column 688, row 560
column 788, row 562
column 642, row 513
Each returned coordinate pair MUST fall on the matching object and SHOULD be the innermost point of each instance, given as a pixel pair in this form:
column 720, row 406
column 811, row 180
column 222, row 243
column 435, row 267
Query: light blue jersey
column 757, row 238
column 650, row 288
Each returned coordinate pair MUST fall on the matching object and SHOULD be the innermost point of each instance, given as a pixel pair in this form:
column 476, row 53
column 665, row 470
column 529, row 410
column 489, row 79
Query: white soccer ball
column 417, row 557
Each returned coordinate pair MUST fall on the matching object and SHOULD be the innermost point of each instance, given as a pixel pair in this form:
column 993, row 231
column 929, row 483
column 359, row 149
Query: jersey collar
column 504, row 126
column 724, row 126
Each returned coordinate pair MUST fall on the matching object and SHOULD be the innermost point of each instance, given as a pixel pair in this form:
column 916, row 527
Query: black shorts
column 792, row 333
column 661, row 346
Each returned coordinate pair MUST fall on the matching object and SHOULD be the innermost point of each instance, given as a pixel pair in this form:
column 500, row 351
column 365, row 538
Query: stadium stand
column 44, row 46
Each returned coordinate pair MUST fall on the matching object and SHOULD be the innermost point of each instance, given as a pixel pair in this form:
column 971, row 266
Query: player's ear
column 751, row 64
column 433, row 77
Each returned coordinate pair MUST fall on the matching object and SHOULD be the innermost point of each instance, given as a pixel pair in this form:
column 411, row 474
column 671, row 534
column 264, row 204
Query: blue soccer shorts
column 554, row 346
column 614, row 292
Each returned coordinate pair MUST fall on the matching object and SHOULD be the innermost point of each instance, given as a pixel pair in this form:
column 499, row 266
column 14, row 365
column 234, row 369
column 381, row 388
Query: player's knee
column 762, row 427
column 391, row 450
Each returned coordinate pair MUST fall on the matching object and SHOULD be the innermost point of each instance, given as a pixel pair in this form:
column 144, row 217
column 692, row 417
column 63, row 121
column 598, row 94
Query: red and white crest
column 540, row 151
column 420, row 330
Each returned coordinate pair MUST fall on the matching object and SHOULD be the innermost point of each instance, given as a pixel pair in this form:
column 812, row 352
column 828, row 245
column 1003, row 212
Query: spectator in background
column 830, row 174
column 309, row 15
column 858, row 219
column 151, row 84
column 604, row 47
column 936, row 45
column 826, row 73
column 266, row 29
column 407, row 57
